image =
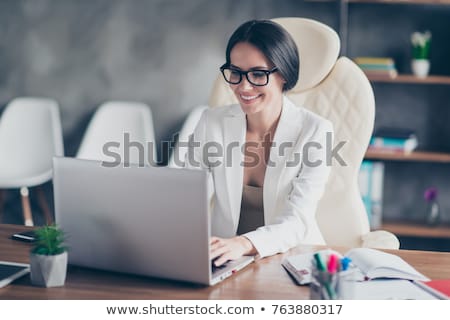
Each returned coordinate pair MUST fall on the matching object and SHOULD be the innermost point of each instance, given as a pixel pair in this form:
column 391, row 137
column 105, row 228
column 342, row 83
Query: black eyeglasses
column 256, row 77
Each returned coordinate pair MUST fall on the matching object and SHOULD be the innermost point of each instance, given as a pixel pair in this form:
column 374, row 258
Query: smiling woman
column 262, row 203
column 274, row 43
column 263, row 83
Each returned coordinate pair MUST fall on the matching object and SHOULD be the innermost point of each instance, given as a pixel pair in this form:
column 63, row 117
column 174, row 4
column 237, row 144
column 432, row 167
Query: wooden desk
column 265, row 279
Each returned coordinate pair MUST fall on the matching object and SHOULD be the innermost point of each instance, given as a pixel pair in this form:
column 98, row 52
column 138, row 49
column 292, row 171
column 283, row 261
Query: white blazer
column 292, row 186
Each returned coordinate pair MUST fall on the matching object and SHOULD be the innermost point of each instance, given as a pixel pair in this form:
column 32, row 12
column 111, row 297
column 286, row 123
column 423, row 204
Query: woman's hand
column 223, row 250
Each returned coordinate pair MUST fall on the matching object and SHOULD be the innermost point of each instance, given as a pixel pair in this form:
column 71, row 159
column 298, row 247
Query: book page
column 392, row 289
column 378, row 264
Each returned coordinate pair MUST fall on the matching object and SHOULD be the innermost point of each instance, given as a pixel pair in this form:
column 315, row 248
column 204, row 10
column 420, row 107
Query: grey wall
column 167, row 52
column 162, row 52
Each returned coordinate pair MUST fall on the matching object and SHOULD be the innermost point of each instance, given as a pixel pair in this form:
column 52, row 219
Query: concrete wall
column 162, row 52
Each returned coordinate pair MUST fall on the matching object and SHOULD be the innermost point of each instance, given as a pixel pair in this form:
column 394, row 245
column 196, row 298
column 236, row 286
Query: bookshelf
column 417, row 230
column 430, row 2
column 437, row 2
column 415, row 156
column 412, row 235
column 415, row 236
column 408, row 78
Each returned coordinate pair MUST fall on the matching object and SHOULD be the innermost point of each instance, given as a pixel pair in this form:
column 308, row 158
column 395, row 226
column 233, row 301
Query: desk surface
column 264, row 279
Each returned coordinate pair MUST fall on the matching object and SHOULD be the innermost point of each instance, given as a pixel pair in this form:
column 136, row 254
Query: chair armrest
column 380, row 239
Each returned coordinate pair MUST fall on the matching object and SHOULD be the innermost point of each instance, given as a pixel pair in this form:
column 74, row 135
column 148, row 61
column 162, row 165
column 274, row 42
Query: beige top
column 252, row 209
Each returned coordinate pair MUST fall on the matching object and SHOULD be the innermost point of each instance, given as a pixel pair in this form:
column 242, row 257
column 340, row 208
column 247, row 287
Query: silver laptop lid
column 147, row 221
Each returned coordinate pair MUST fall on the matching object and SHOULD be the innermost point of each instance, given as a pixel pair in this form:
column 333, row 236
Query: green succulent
column 49, row 241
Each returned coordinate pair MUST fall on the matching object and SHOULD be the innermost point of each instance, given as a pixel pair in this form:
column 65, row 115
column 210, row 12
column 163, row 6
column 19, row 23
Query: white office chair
column 120, row 132
column 339, row 91
column 179, row 152
column 30, row 136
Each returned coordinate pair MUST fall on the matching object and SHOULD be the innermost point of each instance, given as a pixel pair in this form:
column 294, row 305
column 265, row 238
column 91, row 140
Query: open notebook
column 370, row 263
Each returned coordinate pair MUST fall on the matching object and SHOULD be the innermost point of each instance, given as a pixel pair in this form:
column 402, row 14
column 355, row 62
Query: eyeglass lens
column 256, row 77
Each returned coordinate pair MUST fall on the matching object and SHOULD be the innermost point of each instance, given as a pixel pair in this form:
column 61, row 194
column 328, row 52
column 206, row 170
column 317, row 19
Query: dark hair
column 274, row 42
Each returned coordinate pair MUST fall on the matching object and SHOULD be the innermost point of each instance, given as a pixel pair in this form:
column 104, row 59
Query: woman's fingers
column 213, row 240
column 222, row 259
column 218, row 249
column 223, row 250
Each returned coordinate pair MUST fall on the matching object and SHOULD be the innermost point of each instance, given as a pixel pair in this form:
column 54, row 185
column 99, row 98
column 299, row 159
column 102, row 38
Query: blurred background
column 166, row 53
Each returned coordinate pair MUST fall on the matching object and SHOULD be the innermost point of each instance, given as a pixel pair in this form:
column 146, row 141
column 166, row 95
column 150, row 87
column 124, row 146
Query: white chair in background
column 179, row 152
column 120, row 132
column 337, row 90
column 30, row 136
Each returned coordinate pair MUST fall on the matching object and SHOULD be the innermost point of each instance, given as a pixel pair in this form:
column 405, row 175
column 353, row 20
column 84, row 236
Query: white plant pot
column 48, row 271
column 420, row 67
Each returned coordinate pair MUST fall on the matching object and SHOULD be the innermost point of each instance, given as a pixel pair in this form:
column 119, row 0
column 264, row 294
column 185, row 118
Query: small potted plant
column 48, row 258
column 421, row 42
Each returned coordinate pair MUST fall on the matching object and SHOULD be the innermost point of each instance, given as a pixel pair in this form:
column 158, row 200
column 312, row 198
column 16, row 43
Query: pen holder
column 323, row 286
column 326, row 286
column 346, row 284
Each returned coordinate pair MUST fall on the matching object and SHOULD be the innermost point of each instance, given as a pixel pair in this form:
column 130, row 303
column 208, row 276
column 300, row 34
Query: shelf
column 407, row 78
column 401, row 1
column 419, row 156
column 437, row 2
column 417, row 230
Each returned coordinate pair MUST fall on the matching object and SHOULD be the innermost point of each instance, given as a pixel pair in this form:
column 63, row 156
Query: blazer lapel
column 287, row 132
column 234, row 131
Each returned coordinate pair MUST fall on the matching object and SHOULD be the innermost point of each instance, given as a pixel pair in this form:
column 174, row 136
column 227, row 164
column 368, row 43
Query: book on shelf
column 393, row 144
column 374, row 60
column 377, row 66
column 391, row 74
column 370, row 181
column 368, row 264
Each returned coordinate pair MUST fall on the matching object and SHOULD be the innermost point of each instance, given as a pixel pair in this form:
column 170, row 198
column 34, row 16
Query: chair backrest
column 179, row 151
column 30, row 136
column 337, row 90
column 120, row 132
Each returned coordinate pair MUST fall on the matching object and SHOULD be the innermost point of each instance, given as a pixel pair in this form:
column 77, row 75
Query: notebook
column 390, row 276
column 370, row 263
column 10, row 271
column 439, row 287
column 151, row 221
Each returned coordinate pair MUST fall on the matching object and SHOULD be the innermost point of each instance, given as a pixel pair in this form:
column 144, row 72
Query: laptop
column 150, row 221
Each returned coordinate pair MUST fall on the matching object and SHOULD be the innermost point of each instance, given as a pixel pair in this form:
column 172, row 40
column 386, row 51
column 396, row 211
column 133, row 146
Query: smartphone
column 27, row 236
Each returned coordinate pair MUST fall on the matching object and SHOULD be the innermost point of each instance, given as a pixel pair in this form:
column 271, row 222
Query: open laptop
column 151, row 221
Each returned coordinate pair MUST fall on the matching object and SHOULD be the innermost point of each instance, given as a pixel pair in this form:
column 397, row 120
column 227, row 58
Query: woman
column 270, row 170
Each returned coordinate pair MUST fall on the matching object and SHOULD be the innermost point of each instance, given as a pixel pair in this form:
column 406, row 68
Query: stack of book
column 393, row 140
column 370, row 181
column 377, row 67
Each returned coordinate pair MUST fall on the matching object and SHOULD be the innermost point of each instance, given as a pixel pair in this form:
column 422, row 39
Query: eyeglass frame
column 241, row 73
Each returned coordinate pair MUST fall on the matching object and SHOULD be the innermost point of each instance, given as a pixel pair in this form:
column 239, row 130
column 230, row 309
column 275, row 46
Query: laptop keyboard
column 215, row 268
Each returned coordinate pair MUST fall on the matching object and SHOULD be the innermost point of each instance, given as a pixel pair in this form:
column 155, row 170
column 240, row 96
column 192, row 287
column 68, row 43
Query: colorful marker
column 332, row 264
column 319, row 262
column 345, row 262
